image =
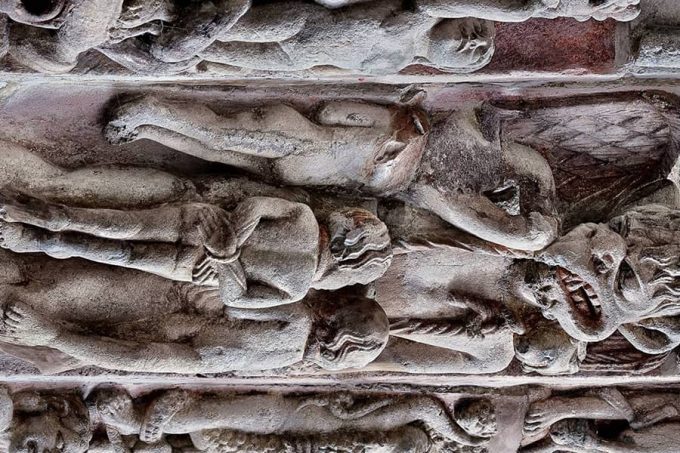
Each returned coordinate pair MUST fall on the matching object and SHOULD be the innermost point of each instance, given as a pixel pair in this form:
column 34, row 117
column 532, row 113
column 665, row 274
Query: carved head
column 350, row 330
column 604, row 275
column 49, row 423
column 360, row 249
column 548, row 350
column 571, row 432
column 477, row 417
column 461, row 45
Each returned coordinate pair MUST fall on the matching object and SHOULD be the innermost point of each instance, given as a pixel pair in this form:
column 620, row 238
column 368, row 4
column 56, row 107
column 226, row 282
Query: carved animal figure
column 315, row 422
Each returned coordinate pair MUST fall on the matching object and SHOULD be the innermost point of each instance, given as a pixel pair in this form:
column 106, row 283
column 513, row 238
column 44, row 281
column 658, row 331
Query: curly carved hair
column 653, row 233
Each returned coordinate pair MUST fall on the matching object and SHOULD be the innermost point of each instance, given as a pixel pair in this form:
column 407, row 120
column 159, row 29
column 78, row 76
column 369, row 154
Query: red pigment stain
column 554, row 45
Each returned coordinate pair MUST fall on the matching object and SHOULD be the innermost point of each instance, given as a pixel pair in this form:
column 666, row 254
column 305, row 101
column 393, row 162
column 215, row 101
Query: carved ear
column 6, row 409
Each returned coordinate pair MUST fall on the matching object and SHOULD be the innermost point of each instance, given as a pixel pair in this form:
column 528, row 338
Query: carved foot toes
column 25, row 326
column 16, row 237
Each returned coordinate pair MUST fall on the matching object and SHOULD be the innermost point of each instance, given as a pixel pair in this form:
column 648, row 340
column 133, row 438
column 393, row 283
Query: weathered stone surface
column 339, row 225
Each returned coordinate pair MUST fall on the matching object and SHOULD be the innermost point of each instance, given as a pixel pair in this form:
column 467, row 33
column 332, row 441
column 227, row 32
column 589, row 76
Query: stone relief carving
column 206, row 245
column 586, row 422
column 181, row 420
column 393, row 150
column 164, row 37
column 539, row 309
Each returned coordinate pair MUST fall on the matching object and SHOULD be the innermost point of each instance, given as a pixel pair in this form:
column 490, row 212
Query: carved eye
column 627, row 280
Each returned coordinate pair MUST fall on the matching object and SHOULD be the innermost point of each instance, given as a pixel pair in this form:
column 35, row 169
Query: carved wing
column 601, row 152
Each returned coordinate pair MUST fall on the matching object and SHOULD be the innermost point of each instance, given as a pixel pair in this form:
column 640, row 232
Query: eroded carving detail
column 177, row 420
column 371, row 37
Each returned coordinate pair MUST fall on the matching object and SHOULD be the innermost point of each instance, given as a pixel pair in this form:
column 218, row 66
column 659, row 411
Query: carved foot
column 159, row 414
column 542, row 415
column 25, row 326
column 22, row 208
column 13, row 236
column 123, row 124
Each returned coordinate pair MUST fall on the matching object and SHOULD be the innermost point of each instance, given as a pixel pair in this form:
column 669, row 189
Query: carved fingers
column 217, row 234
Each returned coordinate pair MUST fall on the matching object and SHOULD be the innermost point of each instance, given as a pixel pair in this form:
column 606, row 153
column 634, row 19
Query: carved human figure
column 385, row 36
column 44, row 421
column 480, row 343
column 263, row 421
column 206, row 245
column 380, row 37
column 332, row 330
column 652, row 422
column 53, row 40
column 515, row 11
column 393, row 151
column 550, row 303
column 378, row 149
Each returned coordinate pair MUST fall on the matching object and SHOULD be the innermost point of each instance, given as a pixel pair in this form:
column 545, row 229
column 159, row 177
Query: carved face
column 477, row 417
column 461, row 44
column 549, row 351
column 49, row 425
column 594, row 282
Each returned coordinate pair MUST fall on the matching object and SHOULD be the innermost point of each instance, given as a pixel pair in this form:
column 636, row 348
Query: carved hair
column 360, row 247
column 350, row 330
column 653, row 232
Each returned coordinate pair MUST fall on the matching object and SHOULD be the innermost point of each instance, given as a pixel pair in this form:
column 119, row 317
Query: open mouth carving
column 580, row 294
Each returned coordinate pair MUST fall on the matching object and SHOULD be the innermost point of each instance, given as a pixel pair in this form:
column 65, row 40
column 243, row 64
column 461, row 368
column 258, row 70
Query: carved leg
column 257, row 55
column 157, row 225
column 267, row 133
column 164, row 259
column 193, row 147
column 424, row 409
column 130, row 55
column 197, row 28
column 117, row 411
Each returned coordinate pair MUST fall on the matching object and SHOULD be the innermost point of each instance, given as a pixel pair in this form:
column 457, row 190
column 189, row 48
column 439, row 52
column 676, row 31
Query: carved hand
column 218, row 235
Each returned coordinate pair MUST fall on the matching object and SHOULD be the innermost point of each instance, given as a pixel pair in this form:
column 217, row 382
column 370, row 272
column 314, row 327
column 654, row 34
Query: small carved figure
column 271, row 422
column 651, row 423
column 206, row 245
column 516, row 11
column 478, row 345
column 45, row 421
column 332, row 330
column 380, row 37
column 53, row 41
